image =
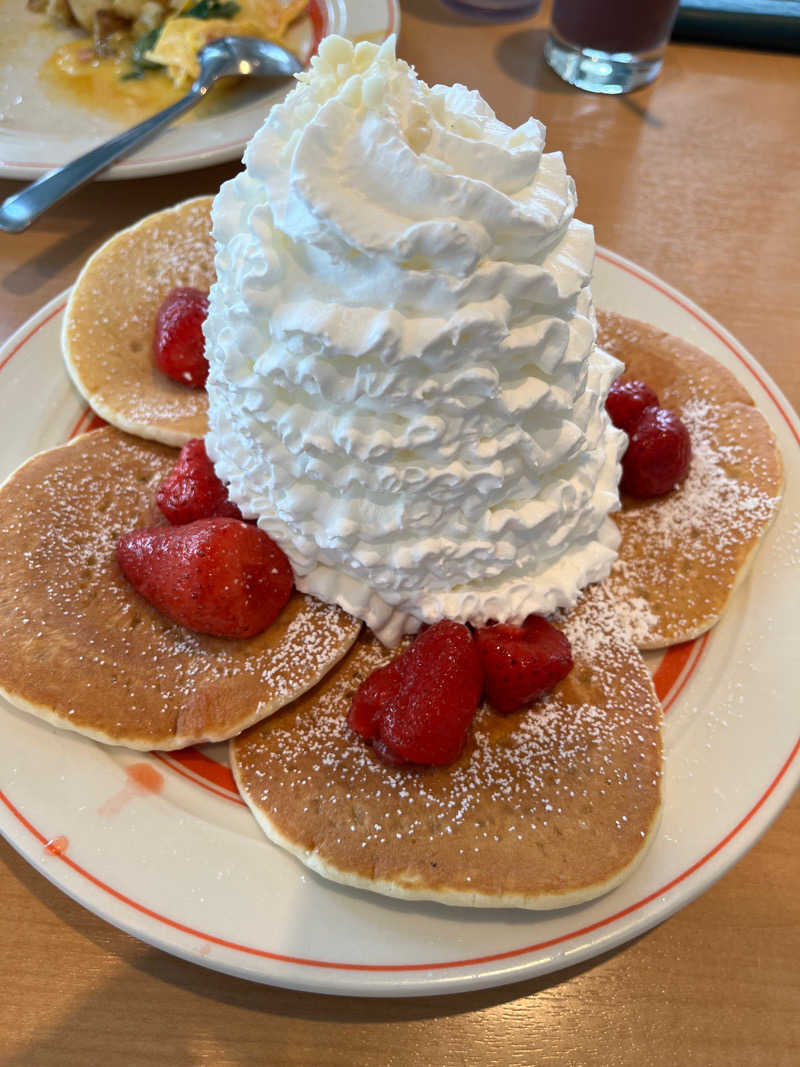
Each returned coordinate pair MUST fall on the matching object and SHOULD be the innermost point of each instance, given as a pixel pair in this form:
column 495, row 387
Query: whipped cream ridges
column 404, row 386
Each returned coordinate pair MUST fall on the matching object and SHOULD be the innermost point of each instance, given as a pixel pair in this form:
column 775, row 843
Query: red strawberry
column 217, row 576
column 627, row 401
column 521, row 663
column 386, row 753
column 658, row 455
column 192, row 490
column 179, row 347
column 373, row 696
column 418, row 708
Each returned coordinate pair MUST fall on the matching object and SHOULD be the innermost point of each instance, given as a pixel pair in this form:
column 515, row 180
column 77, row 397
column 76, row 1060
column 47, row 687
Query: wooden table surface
column 697, row 179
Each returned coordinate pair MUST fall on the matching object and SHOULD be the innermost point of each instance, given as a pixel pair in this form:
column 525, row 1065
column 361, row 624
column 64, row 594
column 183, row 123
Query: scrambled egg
column 182, row 37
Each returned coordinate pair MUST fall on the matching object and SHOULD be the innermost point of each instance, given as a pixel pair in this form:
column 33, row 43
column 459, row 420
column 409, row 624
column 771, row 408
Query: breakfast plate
column 162, row 847
column 40, row 130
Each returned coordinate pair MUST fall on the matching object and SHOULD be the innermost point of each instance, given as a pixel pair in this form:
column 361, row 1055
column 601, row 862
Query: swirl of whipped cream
column 404, row 387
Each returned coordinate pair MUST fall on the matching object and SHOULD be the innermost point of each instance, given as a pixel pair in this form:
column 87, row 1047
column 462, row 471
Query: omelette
column 132, row 39
column 184, row 34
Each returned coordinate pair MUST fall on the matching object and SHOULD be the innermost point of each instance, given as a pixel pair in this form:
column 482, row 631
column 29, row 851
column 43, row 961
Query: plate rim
column 451, row 975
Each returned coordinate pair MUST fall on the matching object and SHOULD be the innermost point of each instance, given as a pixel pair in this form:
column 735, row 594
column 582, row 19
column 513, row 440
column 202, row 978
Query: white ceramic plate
column 161, row 846
column 39, row 131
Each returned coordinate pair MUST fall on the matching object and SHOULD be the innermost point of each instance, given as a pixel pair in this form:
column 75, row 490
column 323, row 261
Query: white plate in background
column 39, row 131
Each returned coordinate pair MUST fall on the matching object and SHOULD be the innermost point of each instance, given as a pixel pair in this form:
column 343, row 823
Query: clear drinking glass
column 609, row 46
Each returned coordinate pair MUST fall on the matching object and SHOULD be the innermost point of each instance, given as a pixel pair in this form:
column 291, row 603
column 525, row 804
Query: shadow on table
column 211, row 1010
column 69, row 232
column 520, row 55
column 435, row 11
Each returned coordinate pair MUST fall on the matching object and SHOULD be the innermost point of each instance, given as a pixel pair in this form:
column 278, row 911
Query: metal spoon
column 225, row 57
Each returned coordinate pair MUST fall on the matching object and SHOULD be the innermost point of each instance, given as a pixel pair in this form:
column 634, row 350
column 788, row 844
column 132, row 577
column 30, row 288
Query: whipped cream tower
column 404, row 385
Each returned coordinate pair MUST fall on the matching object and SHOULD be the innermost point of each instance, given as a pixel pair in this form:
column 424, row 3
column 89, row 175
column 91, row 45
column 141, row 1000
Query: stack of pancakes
column 549, row 806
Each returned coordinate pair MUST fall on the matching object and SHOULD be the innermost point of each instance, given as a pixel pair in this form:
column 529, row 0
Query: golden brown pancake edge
column 545, row 808
column 82, row 650
column 108, row 326
column 685, row 553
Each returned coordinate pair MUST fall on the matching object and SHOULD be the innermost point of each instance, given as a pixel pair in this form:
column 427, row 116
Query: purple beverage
column 614, row 25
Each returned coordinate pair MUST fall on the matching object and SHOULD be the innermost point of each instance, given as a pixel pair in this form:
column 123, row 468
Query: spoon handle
column 20, row 210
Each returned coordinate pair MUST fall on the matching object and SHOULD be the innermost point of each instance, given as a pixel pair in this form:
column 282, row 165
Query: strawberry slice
column 521, row 663
column 627, row 401
column 373, row 697
column 193, row 490
column 658, row 456
column 218, row 576
column 179, row 348
column 418, row 708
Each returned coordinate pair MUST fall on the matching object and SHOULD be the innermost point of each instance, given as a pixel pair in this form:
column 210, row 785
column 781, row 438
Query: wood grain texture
column 696, row 178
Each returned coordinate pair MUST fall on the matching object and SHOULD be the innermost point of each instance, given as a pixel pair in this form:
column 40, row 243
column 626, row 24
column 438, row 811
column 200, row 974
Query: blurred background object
column 495, row 10
column 772, row 24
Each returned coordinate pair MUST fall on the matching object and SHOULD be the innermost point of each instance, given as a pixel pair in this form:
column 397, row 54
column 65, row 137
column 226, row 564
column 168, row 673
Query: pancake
column 81, row 649
column 546, row 807
column 682, row 555
column 110, row 318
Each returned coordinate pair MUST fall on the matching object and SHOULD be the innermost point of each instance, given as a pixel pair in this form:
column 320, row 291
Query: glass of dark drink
column 609, row 46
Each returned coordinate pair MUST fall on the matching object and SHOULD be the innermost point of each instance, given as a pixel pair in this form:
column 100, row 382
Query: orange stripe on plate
column 87, row 421
column 205, row 768
column 670, row 668
column 433, row 965
column 20, row 344
column 319, row 28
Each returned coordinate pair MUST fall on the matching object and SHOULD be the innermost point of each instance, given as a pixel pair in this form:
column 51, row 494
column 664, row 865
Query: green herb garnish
column 145, row 43
column 138, row 62
column 204, row 9
column 211, row 9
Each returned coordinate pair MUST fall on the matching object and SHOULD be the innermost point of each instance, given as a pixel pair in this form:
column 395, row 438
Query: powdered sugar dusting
column 681, row 554
column 108, row 327
column 585, row 760
column 606, row 623
column 99, row 654
column 786, row 548
column 725, row 507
